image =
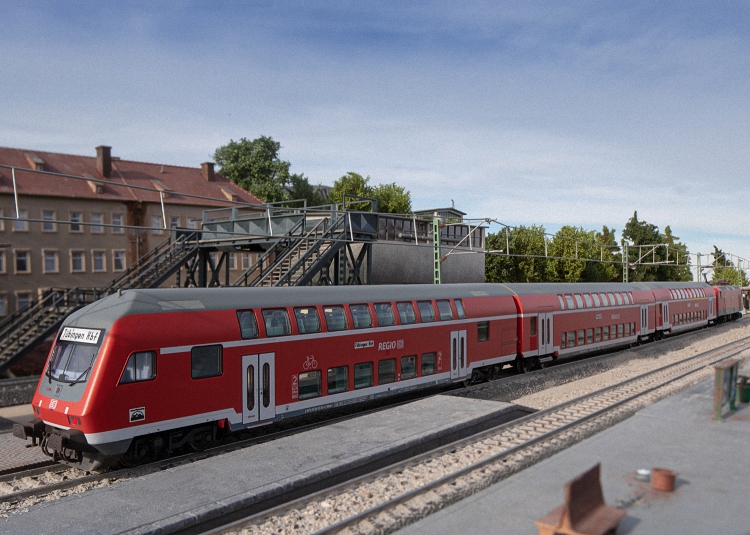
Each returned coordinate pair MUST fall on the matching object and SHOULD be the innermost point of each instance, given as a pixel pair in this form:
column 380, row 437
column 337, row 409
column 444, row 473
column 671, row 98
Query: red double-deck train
column 150, row 370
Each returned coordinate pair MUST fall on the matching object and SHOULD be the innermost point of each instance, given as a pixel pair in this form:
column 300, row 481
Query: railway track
column 387, row 500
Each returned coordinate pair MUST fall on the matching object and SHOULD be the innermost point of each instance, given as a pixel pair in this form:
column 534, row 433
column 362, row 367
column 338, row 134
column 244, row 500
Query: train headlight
column 74, row 420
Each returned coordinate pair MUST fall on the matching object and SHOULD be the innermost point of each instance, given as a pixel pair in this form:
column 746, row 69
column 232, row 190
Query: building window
column 117, row 221
column 99, row 261
column 21, row 224
column 23, row 261
column 48, row 225
column 118, row 260
column 2, row 221
column 75, row 222
column 194, row 223
column 232, row 261
column 3, row 305
column 2, row 261
column 174, row 222
column 23, row 301
column 51, row 262
column 77, row 262
column 96, row 223
column 245, row 260
column 156, row 224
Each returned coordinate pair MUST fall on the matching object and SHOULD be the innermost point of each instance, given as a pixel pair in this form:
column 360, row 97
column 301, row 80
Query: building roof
column 199, row 181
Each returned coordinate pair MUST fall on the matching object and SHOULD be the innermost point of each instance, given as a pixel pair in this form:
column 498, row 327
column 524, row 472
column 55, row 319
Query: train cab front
column 59, row 404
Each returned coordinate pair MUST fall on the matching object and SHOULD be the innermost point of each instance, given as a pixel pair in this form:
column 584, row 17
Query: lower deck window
column 589, row 336
column 428, row 363
column 598, row 334
column 386, row 371
column 310, row 384
column 408, row 367
column 619, row 330
column 338, row 379
column 563, row 340
column 571, row 338
column 483, row 331
column 605, row 333
column 363, row 375
column 205, row 361
column 581, row 339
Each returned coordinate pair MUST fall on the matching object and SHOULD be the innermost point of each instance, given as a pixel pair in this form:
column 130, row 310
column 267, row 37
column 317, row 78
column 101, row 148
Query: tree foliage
column 509, row 265
column 667, row 258
column 392, row 199
column 725, row 271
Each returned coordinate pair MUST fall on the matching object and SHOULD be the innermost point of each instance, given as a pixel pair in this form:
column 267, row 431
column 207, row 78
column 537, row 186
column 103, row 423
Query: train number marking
column 363, row 345
column 138, row 415
column 295, row 387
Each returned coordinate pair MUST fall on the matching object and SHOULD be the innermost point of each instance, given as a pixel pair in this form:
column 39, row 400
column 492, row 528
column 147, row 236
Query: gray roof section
column 536, row 288
column 104, row 312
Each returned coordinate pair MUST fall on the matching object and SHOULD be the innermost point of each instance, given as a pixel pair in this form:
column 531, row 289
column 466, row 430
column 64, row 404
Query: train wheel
column 523, row 365
column 141, row 451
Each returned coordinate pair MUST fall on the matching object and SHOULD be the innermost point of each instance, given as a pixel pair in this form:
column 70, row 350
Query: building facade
column 81, row 232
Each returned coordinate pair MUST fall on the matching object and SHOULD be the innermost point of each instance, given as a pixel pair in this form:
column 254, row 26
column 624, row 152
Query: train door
column 666, row 321
column 458, row 354
column 711, row 314
column 644, row 320
column 258, row 392
column 546, row 332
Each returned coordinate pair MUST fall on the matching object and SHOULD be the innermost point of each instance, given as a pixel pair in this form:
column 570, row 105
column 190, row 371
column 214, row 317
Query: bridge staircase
column 22, row 331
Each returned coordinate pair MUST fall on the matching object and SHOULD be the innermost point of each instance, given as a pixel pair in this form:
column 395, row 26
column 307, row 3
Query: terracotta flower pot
column 662, row 479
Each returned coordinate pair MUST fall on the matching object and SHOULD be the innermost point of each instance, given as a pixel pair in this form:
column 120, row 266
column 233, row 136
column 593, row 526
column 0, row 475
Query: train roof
column 535, row 288
column 106, row 311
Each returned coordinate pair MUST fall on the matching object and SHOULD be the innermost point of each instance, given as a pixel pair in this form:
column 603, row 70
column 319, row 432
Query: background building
column 78, row 233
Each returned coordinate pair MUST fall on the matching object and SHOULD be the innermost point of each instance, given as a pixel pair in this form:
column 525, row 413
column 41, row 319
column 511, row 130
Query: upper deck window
column 604, row 300
column 277, row 322
column 569, row 300
column 611, row 298
column 579, row 301
column 406, row 313
column 619, row 298
column 384, row 313
column 460, row 309
column 632, row 301
column 587, row 298
column 308, row 320
column 444, row 310
column 562, row 303
column 248, row 324
column 426, row 312
column 335, row 318
column 361, row 316
column 597, row 303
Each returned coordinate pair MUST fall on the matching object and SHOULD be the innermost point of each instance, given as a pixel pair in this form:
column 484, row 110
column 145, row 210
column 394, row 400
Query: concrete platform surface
column 712, row 493
column 14, row 414
column 176, row 497
column 14, row 452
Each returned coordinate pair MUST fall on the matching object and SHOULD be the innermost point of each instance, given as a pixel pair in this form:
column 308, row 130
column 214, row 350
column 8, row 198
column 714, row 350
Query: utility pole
column 436, row 248
column 625, row 261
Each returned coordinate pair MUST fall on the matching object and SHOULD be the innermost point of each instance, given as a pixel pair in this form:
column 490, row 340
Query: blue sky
column 545, row 113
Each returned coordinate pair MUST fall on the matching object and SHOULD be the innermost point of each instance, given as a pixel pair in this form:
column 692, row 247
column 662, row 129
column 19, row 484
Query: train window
column 363, row 375
column 408, row 367
column 428, row 363
column 266, row 378
column 250, row 387
column 310, row 384
column 361, row 316
column 579, row 301
column 597, row 303
column 483, row 331
column 406, row 313
column 532, row 326
column 632, row 301
column 563, row 339
column 205, row 361
column 384, row 312
column 277, row 322
column 335, row 318
column 386, row 371
column 580, row 337
column 460, row 309
column 627, row 329
column 562, row 303
column 338, row 379
column 587, row 298
column 248, row 324
column 444, row 310
column 598, row 335
column 571, row 338
column 619, row 330
column 308, row 320
column 611, row 299
column 605, row 332
column 569, row 300
column 426, row 312
column 141, row 366
column 618, row 296
column 589, row 336
column 604, row 300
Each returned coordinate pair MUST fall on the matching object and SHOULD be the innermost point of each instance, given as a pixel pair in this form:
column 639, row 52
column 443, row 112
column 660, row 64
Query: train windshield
column 74, row 355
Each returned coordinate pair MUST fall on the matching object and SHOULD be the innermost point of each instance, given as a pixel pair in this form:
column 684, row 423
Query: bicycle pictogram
column 310, row 363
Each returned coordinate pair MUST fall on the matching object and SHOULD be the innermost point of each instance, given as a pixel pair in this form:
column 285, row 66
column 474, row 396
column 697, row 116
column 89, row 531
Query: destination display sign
column 83, row 336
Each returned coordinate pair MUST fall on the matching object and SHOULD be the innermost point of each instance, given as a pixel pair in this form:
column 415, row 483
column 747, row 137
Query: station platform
column 14, row 452
column 180, row 496
column 677, row 433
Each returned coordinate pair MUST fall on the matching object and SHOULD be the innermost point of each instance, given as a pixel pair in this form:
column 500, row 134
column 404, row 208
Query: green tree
column 678, row 259
column 351, row 184
column 516, row 255
column 255, row 166
column 392, row 199
column 573, row 251
column 725, row 270
column 611, row 269
column 300, row 188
